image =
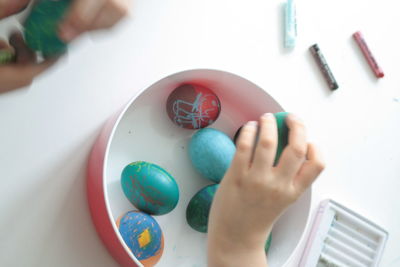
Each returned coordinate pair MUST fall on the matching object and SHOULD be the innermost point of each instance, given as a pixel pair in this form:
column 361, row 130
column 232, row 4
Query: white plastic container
column 143, row 131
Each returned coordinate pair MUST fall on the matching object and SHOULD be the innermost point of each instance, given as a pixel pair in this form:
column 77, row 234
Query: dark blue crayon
column 323, row 66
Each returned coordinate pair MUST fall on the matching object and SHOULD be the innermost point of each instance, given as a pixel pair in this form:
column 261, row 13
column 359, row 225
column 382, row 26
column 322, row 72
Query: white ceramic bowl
column 143, row 132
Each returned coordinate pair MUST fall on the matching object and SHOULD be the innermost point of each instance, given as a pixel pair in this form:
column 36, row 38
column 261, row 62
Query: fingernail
column 251, row 123
column 268, row 115
column 295, row 118
column 67, row 33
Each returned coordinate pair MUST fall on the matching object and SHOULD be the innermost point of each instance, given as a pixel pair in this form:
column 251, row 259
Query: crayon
column 368, row 55
column 290, row 24
column 323, row 66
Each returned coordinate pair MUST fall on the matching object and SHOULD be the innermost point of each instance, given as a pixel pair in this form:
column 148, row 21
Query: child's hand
column 10, row 7
column 253, row 193
column 88, row 15
column 21, row 72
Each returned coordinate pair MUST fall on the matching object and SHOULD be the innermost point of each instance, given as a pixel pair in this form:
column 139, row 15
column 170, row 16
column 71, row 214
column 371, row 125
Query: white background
column 47, row 130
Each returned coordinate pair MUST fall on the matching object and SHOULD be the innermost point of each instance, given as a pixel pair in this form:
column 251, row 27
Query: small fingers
column 23, row 53
column 80, row 18
column 310, row 169
column 245, row 146
column 110, row 15
column 267, row 143
column 294, row 155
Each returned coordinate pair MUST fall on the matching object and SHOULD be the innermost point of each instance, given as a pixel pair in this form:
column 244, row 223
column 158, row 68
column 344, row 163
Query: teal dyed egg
column 143, row 235
column 211, row 152
column 41, row 27
column 198, row 209
column 149, row 188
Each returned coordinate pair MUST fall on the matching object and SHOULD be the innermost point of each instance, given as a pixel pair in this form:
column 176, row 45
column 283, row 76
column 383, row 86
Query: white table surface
column 47, row 130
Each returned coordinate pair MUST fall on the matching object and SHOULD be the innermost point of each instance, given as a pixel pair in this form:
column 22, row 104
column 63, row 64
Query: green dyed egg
column 149, row 188
column 198, row 209
column 268, row 243
column 41, row 27
column 6, row 57
column 283, row 133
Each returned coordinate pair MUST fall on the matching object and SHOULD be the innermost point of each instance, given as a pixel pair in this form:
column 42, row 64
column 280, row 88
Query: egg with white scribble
column 149, row 187
column 193, row 106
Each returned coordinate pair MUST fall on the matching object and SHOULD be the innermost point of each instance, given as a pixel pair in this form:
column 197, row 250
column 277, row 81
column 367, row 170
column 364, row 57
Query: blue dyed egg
column 211, row 152
column 143, row 235
column 149, row 188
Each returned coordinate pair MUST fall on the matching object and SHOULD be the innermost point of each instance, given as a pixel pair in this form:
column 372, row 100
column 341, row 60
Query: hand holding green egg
column 18, row 66
column 255, row 192
column 53, row 23
column 211, row 152
column 48, row 28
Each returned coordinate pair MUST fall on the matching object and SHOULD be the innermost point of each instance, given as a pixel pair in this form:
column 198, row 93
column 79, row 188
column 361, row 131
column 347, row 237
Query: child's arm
column 85, row 15
column 253, row 193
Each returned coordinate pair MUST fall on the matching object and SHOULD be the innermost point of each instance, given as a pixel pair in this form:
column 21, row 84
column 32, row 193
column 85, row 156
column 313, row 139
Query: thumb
column 17, row 76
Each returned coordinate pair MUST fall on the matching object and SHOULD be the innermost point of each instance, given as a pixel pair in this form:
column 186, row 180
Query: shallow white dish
column 143, row 132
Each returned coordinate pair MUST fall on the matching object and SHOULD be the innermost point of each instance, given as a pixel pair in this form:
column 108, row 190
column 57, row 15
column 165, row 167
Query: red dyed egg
column 193, row 106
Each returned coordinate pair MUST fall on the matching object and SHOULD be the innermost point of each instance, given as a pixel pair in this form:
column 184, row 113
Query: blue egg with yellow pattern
column 149, row 187
column 143, row 235
column 211, row 152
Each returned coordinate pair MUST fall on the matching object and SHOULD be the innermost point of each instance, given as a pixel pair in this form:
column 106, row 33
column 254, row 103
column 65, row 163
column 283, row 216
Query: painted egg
column 268, row 243
column 41, row 27
column 149, row 188
column 283, row 134
column 193, row 106
column 143, row 235
column 211, row 152
column 199, row 206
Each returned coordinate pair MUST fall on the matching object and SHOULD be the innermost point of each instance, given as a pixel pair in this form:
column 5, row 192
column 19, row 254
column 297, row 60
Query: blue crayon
column 290, row 24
